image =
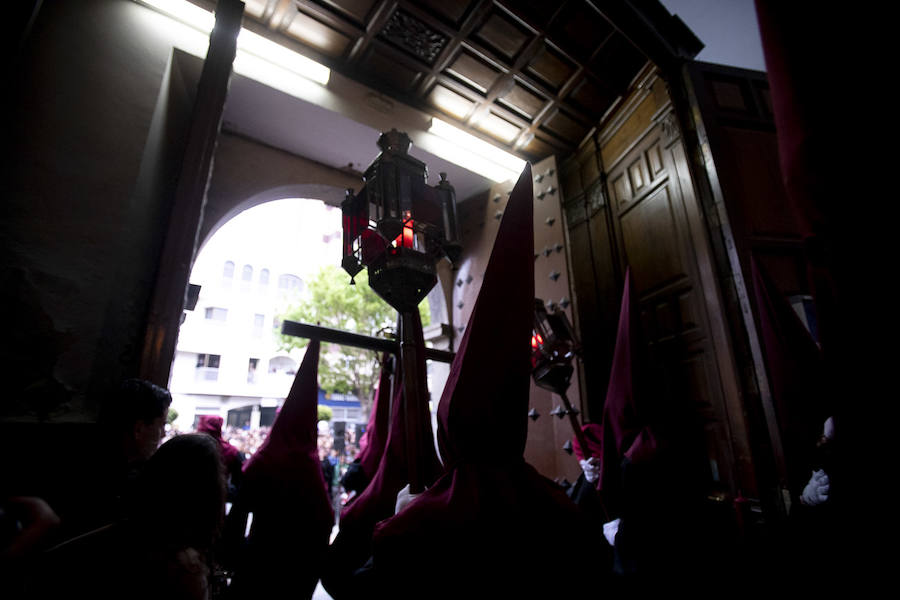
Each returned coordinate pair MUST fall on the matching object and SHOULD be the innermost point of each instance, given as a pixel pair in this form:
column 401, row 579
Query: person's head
column 210, row 425
column 181, row 491
column 137, row 414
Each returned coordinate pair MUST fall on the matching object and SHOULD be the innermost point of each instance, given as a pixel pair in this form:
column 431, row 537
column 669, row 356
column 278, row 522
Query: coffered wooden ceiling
column 532, row 76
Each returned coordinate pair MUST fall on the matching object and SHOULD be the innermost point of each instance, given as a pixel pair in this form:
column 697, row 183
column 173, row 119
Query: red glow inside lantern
column 406, row 239
column 536, row 341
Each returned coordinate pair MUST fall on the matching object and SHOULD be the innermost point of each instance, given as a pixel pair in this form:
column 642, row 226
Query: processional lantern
column 553, row 347
column 399, row 227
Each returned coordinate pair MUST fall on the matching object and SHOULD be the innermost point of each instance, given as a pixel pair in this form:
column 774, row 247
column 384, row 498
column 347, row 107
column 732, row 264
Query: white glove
column 816, row 491
column 404, row 498
column 591, row 468
column 610, row 530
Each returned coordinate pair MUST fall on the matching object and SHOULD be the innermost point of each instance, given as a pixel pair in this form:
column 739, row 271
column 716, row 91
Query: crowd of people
column 154, row 502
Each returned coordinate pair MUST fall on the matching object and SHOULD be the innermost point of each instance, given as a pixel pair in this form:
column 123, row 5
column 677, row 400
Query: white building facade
column 227, row 361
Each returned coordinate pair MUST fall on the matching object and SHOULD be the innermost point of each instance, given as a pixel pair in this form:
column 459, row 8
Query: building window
column 282, row 365
column 247, row 273
column 209, row 360
column 264, row 277
column 228, row 272
column 251, row 370
column 290, row 283
column 216, row 314
column 208, row 367
column 259, row 321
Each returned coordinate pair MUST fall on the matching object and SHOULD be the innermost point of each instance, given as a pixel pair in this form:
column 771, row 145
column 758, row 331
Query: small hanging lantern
column 398, row 227
column 553, row 345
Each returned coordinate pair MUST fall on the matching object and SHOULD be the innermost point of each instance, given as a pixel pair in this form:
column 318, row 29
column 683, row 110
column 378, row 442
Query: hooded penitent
column 285, row 490
column 353, row 544
column 630, row 407
column 212, row 426
column 491, row 523
column 796, row 377
column 593, row 437
column 371, row 445
column 375, row 437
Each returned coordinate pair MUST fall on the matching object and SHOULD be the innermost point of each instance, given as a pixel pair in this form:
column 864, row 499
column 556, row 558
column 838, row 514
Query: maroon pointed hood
column 491, row 514
column 796, row 375
column 485, row 400
column 284, row 488
column 374, row 439
column 289, row 459
column 629, row 408
column 295, row 428
column 352, row 546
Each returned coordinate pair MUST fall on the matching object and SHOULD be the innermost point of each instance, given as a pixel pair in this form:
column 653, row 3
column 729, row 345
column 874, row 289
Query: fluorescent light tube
column 277, row 54
column 188, row 13
column 476, row 152
column 247, row 43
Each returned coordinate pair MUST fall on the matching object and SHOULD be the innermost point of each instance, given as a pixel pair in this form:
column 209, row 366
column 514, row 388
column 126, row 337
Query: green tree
column 332, row 302
column 324, row 413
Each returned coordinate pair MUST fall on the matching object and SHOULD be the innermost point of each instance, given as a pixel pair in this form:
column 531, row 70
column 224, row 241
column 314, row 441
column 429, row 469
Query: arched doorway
column 253, row 264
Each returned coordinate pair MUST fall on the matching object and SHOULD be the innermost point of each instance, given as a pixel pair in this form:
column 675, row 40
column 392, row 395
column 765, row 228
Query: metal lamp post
column 399, row 227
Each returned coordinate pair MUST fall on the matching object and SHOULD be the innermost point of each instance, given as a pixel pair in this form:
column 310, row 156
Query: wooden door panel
column 655, row 241
column 651, row 244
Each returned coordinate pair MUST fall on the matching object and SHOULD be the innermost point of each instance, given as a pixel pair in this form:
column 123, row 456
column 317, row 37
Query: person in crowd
column 232, row 459
column 162, row 547
column 327, row 473
column 132, row 423
column 816, row 543
column 28, row 526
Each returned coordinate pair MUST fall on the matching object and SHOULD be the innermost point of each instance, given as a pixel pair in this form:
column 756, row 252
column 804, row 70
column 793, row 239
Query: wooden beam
column 168, row 301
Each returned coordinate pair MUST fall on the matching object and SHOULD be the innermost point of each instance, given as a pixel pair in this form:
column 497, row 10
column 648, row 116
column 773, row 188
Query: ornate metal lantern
column 398, row 226
column 553, row 345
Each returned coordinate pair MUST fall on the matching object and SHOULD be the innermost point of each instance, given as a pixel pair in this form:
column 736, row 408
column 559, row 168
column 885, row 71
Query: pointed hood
column 294, row 434
column 284, row 488
column 352, row 546
column 796, row 374
column 485, row 400
column 374, row 439
column 629, row 409
column 491, row 514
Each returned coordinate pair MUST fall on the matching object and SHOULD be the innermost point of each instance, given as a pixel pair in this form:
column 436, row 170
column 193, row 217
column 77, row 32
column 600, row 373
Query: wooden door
column 659, row 234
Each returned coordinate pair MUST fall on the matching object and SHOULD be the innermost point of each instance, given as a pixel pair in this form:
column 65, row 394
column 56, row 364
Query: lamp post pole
column 414, row 401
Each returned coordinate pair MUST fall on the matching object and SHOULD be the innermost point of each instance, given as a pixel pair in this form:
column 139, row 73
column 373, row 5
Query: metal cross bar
column 357, row 340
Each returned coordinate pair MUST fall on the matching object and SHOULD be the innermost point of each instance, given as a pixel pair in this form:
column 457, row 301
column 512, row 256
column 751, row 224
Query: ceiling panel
column 501, row 33
column 533, row 77
column 356, row 10
column 551, row 67
column 311, row 32
column 524, row 100
column 451, row 12
column 413, row 36
column 473, row 71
